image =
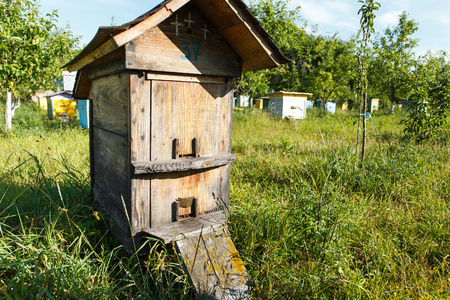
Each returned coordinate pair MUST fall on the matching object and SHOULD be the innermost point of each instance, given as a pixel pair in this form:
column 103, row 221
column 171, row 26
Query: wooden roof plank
column 232, row 18
column 152, row 21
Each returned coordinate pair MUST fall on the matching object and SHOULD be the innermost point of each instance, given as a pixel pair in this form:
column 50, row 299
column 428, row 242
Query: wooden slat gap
column 186, row 78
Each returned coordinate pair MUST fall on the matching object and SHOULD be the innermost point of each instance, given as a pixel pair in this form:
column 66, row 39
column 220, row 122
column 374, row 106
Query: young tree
column 367, row 12
column 31, row 50
column 394, row 60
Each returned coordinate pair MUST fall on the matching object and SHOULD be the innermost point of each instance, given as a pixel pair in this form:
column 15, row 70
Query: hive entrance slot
column 176, row 153
column 189, row 202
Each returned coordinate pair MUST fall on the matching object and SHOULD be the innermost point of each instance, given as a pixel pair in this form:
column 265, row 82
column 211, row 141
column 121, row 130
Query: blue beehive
column 330, row 106
column 83, row 113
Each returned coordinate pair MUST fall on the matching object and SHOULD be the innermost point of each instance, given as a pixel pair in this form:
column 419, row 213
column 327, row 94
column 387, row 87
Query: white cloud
column 389, row 19
column 315, row 12
column 444, row 20
column 339, row 6
column 339, row 15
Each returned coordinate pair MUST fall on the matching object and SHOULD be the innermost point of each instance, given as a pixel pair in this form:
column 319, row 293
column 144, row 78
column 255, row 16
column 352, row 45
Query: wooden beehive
column 161, row 113
column 61, row 104
column 288, row 105
column 372, row 105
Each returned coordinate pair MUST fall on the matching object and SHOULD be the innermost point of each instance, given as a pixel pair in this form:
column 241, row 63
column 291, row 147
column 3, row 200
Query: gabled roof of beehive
column 232, row 18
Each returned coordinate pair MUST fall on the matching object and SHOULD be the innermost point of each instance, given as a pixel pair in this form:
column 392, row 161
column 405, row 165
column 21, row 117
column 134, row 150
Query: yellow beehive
column 61, row 104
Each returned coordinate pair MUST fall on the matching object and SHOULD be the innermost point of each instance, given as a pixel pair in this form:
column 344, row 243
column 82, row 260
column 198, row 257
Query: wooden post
column 8, row 111
column 363, row 150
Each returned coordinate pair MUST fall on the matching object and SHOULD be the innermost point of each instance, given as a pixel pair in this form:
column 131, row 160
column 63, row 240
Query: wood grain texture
column 112, row 63
column 83, row 86
column 214, row 265
column 110, row 165
column 182, row 164
column 140, row 144
column 110, row 148
column 107, row 47
column 185, row 43
column 110, row 103
column 186, row 78
column 242, row 33
column 156, row 18
column 117, row 221
column 188, row 110
column 114, row 212
column 186, row 228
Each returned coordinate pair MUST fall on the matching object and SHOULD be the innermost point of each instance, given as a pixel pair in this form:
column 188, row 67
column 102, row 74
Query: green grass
column 308, row 221
column 53, row 242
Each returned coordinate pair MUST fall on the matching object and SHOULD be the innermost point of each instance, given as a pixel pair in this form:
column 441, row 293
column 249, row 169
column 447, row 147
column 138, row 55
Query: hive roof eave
column 108, row 39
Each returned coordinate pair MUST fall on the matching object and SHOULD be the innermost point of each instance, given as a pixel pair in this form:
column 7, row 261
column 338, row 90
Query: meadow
column 310, row 220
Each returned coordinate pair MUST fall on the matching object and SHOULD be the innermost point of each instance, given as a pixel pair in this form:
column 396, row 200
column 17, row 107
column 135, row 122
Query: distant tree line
column 327, row 66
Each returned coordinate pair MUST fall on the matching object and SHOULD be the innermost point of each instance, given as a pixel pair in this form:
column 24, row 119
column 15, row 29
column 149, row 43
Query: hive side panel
column 110, row 165
column 110, row 105
column 140, row 112
column 184, row 111
column 110, row 150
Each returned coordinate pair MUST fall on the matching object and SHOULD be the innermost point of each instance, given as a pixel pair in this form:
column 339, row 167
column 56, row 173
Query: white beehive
column 288, row 105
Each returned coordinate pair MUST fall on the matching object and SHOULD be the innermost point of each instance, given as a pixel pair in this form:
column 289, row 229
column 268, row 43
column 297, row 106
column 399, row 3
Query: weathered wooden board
column 183, row 164
column 110, row 105
column 140, row 143
column 117, row 214
column 118, row 221
column 214, row 264
column 110, row 147
column 207, row 186
column 112, row 63
column 243, row 32
column 188, row 227
column 185, row 43
column 83, row 86
column 110, row 164
column 186, row 78
column 188, row 110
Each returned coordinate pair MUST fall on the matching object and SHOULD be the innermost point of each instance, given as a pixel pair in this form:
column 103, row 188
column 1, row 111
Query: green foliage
column 430, row 98
column 333, row 69
column 31, row 47
column 320, row 65
column 310, row 224
column 394, row 60
column 367, row 10
column 287, row 29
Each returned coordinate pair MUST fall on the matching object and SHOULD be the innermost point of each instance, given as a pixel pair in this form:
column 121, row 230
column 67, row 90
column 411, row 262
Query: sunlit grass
column 308, row 221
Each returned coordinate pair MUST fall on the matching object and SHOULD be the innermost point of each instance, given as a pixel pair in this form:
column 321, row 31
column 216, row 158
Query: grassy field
column 308, row 221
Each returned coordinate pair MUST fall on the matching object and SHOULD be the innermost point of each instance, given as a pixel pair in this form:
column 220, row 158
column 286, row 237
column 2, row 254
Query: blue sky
column 330, row 16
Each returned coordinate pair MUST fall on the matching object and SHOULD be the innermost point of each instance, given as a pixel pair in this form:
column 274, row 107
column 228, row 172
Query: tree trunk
column 363, row 150
column 8, row 111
